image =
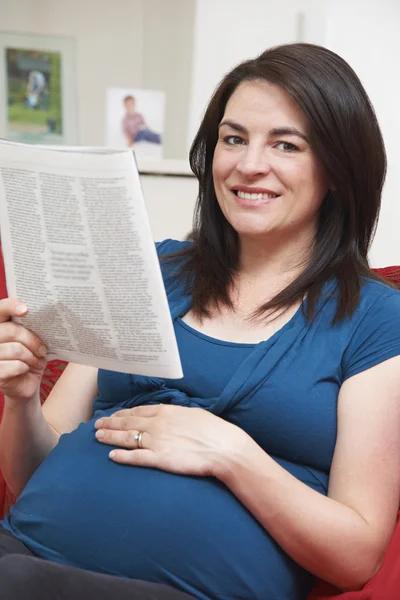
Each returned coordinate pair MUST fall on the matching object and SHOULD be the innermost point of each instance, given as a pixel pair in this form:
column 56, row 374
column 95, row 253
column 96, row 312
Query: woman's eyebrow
column 276, row 131
column 233, row 125
column 288, row 131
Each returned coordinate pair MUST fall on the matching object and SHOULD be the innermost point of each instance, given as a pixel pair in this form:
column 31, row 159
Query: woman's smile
column 248, row 197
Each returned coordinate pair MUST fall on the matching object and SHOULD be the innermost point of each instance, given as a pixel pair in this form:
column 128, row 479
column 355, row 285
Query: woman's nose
column 254, row 162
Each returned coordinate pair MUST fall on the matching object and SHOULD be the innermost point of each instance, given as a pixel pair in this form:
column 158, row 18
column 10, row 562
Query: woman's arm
column 29, row 432
column 340, row 538
column 70, row 402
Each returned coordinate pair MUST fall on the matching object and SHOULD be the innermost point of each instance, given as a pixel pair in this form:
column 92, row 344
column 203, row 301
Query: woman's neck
column 267, row 260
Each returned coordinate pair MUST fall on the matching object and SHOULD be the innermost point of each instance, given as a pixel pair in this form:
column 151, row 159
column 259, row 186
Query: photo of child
column 134, row 126
column 135, row 119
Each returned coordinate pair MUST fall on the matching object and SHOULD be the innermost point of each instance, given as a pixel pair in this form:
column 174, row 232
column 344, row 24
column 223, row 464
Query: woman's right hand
column 22, row 354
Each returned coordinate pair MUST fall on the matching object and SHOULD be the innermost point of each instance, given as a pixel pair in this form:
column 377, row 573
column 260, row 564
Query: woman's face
column 267, row 179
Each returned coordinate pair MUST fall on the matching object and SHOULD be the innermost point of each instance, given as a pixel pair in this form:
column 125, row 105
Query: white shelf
column 167, row 167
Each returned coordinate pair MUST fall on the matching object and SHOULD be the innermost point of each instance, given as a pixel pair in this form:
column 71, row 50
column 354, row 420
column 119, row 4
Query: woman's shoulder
column 170, row 246
column 175, row 281
column 375, row 294
column 378, row 303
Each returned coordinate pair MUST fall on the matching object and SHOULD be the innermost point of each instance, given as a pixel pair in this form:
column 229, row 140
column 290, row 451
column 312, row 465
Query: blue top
column 80, row 508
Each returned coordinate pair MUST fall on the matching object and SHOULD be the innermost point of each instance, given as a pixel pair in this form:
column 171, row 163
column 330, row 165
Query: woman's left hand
column 189, row 441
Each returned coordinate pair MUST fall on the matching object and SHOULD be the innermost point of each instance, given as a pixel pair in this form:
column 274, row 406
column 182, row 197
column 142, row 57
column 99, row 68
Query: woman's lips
column 254, row 199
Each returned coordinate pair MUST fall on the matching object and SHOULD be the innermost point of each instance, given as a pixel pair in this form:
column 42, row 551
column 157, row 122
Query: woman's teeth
column 257, row 196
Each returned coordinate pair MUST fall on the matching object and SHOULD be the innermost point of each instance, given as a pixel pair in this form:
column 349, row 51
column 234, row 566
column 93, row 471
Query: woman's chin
column 254, row 232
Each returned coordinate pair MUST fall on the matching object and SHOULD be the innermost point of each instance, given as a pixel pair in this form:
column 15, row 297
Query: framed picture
column 135, row 119
column 37, row 89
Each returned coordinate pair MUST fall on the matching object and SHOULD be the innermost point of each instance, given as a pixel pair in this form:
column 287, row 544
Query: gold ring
column 138, row 438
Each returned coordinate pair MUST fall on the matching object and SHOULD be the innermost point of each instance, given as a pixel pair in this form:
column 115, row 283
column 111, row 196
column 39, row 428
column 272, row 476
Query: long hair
column 344, row 135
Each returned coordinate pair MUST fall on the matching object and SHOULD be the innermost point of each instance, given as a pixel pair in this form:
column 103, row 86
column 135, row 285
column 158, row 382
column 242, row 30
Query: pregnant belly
column 80, row 508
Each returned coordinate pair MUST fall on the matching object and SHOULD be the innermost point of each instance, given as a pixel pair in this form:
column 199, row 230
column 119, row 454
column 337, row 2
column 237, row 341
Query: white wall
column 366, row 34
column 109, row 47
column 120, row 43
column 168, row 63
column 126, row 43
column 170, row 202
column 230, row 31
column 156, row 43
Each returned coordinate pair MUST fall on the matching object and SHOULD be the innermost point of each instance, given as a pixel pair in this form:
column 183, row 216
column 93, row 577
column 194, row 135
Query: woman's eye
column 286, row 147
column 233, row 140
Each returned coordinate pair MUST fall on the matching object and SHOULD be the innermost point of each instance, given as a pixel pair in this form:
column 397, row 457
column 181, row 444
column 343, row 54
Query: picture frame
column 38, row 97
column 135, row 119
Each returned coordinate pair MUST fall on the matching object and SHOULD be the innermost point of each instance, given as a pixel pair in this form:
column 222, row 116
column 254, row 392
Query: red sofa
column 385, row 585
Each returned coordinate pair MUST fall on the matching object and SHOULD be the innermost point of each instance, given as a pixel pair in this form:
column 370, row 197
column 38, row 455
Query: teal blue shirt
column 80, row 508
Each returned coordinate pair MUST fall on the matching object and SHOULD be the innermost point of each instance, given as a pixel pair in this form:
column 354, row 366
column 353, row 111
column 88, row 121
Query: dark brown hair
column 345, row 136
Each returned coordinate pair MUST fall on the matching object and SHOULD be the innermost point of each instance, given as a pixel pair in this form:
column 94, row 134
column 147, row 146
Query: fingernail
column 99, row 434
column 112, row 454
column 42, row 350
column 21, row 309
column 99, row 423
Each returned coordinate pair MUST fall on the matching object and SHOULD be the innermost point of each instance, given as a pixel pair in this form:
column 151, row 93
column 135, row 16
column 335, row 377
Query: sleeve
column 169, row 246
column 376, row 338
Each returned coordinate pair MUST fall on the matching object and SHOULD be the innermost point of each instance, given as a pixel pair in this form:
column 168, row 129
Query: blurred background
column 183, row 48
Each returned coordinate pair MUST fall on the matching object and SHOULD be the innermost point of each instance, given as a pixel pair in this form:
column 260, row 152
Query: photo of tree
column 34, row 95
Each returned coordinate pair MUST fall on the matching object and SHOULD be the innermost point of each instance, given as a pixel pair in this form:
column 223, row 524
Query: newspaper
column 78, row 251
